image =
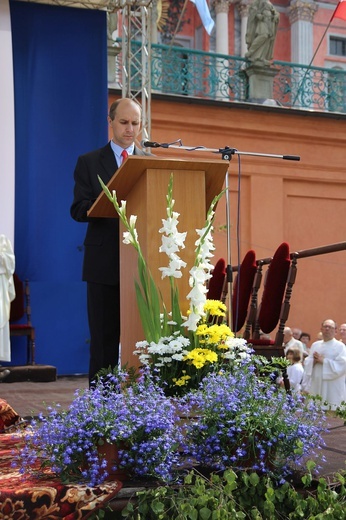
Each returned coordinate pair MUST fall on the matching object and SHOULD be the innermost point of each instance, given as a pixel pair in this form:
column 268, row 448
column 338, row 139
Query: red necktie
column 124, row 155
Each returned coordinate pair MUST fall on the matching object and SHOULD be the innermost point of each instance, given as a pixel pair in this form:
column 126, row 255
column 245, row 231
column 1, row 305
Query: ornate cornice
column 302, row 10
column 243, row 7
column 221, row 6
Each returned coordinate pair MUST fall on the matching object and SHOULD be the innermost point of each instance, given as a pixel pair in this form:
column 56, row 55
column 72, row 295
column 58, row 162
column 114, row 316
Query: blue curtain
column 60, row 78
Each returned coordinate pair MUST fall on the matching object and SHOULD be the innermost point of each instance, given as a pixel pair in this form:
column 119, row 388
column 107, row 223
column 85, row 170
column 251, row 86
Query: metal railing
column 205, row 75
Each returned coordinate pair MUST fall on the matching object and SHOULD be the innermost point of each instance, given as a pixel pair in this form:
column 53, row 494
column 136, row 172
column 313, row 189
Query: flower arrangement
column 182, row 365
column 245, row 421
column 138, row 418
column 181, row 350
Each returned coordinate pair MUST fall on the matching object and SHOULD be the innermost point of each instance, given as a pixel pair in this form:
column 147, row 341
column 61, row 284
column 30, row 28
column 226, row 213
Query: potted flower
column 138, row 419
column 182, row 363
column 181, row 350
column 245, row 421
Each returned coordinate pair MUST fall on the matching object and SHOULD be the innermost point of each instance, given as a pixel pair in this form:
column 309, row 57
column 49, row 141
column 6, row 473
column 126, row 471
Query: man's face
column 126, row 123
column 328, row 330
column 296, row 333
column 342, row 332
column 287, row 336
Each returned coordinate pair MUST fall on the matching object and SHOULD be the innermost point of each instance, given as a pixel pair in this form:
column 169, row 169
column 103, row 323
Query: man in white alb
column 325, row 367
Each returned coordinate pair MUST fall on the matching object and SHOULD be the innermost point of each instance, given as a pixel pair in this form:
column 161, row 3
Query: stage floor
column 29, row 398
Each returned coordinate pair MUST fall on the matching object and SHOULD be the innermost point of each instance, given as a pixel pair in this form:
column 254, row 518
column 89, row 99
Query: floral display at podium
column 202, row 397
column 181, row 350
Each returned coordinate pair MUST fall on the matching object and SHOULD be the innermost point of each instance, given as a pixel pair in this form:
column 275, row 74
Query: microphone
column 150, row 144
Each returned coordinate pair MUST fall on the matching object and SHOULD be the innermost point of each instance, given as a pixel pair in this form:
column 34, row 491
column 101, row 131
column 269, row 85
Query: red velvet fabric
column 262, row 342
column 274, row 289
column 17, row 305
column 217, row 280
column 242, row 290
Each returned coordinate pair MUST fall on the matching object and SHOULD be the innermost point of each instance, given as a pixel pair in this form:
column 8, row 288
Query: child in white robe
column 295, row 371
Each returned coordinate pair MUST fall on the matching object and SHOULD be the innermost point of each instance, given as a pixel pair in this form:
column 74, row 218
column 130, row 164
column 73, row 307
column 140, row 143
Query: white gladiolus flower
column 168, row 246
column 174, row 268
column 130, row 238
column 192, row 321
column 132, row 221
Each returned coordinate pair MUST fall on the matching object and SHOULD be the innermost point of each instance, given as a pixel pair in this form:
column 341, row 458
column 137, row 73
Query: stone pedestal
column 260, row 82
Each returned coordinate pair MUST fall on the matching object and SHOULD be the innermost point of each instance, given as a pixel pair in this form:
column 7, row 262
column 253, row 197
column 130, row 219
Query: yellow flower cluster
column 182, row 381
column 213, row 334
column 215, row 308
column 200, row 357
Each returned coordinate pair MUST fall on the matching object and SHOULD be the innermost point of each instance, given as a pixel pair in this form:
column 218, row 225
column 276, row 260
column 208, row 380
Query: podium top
column 136, row 165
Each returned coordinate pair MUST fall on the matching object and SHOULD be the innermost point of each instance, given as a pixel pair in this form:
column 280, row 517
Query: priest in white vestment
column 325, row 368
column 7, row 294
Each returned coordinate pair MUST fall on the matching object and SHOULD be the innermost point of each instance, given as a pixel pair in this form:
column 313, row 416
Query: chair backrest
column 277, row 290
column 216, row 286
column 274, row 289
column 242, row 289
column 18, row 304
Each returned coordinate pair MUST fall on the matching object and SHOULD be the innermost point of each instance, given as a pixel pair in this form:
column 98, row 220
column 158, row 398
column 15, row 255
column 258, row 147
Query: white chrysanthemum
column 145, row 359
column 178, row 357
column 236, row 343
column 165, row 360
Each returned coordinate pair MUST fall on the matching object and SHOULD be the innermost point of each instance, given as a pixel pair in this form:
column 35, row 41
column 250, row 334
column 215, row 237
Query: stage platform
column 36, row 373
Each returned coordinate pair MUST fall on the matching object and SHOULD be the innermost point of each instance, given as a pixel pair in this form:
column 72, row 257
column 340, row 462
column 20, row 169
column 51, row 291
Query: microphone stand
column 226, row 154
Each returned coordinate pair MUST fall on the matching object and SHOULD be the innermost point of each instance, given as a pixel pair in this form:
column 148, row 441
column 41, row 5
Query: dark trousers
column 104, row 324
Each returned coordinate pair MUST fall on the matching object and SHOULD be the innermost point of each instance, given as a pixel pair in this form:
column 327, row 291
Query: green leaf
column 157, row 506
column 205, row 513
column 254, row 479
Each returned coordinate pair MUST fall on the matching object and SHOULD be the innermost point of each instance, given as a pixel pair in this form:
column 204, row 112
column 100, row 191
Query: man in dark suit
column 101, row 245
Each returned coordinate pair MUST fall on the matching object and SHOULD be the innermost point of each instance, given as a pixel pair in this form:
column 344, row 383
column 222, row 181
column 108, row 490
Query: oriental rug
column 33, row 498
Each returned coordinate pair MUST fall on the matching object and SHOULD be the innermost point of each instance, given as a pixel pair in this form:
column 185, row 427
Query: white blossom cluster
column 168, row 349
column 200, row 273
column 172, row 242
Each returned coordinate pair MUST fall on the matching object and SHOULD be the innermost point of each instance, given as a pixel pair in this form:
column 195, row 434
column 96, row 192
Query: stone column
column 221, row 10
column 301, row 15
column 243, row 9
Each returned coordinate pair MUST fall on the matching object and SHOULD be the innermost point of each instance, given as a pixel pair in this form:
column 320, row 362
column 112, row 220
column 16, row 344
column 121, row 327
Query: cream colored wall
column 302, row 203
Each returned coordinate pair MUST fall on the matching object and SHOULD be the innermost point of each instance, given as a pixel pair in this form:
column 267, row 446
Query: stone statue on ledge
column 261, row 32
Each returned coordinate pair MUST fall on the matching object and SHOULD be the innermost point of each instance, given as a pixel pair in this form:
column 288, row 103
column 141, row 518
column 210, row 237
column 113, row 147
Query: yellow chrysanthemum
column 182, row 381
column 214, row 334
column 200, row 356
column 215, row 308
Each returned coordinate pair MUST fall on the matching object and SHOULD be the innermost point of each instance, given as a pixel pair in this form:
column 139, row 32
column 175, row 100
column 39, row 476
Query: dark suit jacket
column 101, row 244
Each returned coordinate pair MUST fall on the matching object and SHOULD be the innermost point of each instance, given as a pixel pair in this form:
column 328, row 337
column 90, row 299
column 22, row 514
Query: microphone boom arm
column 226, row 152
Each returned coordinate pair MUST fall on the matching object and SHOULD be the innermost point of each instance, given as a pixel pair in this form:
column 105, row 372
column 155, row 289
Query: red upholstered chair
column 217, row 287
column 274, row 305
column 20, row 317
column 242, row 290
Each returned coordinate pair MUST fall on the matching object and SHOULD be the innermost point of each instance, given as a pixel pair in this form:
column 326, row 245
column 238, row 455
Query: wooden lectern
column 143, row 183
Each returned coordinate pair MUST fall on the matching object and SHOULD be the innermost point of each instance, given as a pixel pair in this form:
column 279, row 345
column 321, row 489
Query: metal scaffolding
column 136, row 39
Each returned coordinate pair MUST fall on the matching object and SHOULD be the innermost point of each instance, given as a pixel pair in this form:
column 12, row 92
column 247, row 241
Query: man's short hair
column 115, row 104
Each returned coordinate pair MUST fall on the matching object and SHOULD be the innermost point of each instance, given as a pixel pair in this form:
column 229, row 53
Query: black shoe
column 4, row 374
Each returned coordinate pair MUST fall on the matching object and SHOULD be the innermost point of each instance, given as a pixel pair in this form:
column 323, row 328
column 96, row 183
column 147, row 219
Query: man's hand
column 318, row 358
